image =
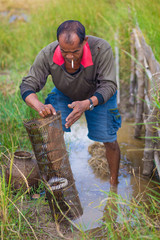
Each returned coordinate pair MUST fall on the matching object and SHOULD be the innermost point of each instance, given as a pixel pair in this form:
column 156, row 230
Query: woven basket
column 46, row 136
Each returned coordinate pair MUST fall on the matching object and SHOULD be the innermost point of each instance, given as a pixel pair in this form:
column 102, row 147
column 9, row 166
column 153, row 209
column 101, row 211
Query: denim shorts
column 103, row 121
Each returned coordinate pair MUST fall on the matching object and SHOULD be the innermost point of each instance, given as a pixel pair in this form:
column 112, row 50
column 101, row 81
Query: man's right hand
column 46, row 110
column 43, row 110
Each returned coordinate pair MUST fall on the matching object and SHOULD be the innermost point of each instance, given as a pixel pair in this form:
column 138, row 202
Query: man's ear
column 85, row 40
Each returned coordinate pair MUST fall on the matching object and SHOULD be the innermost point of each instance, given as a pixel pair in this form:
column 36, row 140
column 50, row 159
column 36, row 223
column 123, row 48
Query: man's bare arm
column 43, row 110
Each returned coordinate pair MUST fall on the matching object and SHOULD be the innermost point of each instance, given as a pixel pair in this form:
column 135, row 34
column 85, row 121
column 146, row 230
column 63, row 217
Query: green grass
column 13, row 221
column 20, row 42
column 137, row 218
column 131, row 218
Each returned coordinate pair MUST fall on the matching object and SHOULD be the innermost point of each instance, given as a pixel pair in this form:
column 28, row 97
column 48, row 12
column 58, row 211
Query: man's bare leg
column 113, row 158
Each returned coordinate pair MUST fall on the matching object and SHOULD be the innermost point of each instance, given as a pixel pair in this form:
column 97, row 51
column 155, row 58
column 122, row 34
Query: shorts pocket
column 114, row 120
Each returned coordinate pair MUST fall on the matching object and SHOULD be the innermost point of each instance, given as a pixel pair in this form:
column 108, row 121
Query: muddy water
column 93, row 190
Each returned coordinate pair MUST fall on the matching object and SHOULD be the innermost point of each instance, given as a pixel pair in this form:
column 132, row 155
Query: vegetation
column 20, row 41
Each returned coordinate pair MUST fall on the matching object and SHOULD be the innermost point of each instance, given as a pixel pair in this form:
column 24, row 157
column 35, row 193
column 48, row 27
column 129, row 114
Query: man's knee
column 111, row 145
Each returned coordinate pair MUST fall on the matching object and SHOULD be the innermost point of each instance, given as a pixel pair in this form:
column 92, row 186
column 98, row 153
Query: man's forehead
column 69, row 38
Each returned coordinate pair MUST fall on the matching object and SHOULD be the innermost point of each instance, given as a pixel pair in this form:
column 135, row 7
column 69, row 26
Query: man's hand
column 46, row 110
column 79, row 107
column 42, row 109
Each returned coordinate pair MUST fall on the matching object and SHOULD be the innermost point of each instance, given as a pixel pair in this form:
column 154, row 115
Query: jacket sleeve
column 106, row 76
column 37, row 76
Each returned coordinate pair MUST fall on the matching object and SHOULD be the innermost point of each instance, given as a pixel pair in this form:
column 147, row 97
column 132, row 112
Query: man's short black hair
column 69, row 27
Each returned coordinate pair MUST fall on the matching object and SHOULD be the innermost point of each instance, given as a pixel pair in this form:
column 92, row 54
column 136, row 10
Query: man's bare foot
column 113, row 181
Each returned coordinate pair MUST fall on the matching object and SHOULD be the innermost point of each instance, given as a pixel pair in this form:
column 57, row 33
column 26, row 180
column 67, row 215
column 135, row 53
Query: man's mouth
column 68, row 60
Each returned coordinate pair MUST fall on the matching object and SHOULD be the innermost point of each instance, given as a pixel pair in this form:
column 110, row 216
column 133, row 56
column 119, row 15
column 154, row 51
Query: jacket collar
column 86, row 60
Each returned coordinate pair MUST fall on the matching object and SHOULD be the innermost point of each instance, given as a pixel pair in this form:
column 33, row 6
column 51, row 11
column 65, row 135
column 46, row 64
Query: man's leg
column 113, row 158
column 103, row 123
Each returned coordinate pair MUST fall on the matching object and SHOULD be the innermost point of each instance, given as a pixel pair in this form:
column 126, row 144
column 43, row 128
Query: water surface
column 93, row 190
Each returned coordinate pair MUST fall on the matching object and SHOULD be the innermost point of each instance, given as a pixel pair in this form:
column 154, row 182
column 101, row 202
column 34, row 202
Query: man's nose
column 69, row 56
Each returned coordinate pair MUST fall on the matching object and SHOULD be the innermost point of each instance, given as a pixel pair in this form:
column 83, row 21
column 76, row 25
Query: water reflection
column 92, row 189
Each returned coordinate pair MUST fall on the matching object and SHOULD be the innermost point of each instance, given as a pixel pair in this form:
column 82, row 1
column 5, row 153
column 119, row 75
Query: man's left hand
column 79, row 107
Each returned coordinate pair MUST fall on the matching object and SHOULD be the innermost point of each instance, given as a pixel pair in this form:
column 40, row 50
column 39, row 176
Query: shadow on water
column 94, row 190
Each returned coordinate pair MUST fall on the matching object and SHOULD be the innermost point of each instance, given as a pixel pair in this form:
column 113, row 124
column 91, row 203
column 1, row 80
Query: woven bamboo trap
column 46, row 136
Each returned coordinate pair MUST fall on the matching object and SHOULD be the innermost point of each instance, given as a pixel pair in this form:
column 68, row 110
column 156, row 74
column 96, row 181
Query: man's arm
column 34, row 82
column 79, row 107
column 37, row 76
column 106, row 74
column 43, row 110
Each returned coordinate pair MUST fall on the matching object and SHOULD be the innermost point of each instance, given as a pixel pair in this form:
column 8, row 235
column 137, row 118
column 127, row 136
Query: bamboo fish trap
column 46, row 136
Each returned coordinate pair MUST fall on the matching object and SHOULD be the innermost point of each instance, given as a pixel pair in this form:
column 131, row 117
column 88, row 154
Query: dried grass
column 6, row 5
column 98, row 161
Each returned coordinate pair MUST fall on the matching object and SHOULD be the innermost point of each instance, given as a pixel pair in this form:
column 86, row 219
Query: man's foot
column 113, row 182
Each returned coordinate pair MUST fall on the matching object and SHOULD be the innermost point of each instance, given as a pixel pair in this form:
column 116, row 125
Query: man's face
column 71, row 51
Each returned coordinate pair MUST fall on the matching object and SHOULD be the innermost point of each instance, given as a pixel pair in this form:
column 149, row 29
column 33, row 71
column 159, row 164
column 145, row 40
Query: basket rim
column 40, row 122
column 28, row 154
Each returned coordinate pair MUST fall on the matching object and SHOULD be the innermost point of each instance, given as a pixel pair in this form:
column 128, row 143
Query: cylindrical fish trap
column 63, row 195
column 46, row 136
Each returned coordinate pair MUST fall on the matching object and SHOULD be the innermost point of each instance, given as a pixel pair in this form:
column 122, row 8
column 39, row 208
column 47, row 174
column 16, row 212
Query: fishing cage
column 47, row 139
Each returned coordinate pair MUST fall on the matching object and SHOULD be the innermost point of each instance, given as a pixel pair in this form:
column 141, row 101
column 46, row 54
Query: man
column 82, row 70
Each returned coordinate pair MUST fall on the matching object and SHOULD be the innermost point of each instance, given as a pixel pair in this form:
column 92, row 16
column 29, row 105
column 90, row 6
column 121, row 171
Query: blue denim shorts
column 103, row 121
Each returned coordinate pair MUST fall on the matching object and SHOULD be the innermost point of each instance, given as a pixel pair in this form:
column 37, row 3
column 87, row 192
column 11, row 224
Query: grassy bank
column 135, row 218
column 20, row 41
